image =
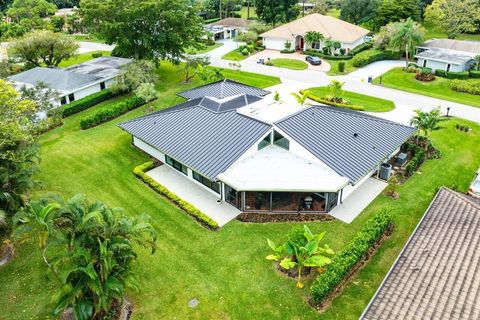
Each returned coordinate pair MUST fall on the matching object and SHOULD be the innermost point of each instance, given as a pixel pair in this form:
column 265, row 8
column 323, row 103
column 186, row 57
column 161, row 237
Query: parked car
column 474, row 189
column 314, row 61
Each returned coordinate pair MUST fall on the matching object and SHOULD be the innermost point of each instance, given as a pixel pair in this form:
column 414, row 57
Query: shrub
column 424, row 76
column 457, row 75
column 97, row 55
column 364, row 58
column 250, row 48
column 147, row 92
column 334, row 104
column 418, row 157
column 87, row 102
column 411, row 69
column 342, row 51
column 440, row 73
column 412, row 64
column 475, row 74
column 341, row 66
column 287, row 51
column 352, row 254
column 245, row 52
column 319, row 54
column 467, row 86
column 205, row 220
column 360, row 48
column 110, row 112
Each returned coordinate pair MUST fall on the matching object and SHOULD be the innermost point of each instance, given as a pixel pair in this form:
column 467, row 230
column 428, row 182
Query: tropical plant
column 89, row 248
column 335, row 88
column 313, row 36
column 276, row 96
column 134, row 74
column 328, row 45
column 336, row 45
column 301, row 253
column 147, row 92
column 426, row 122
column 477, row 61
column 406, row 36
column 191, row 66
column 302, row 97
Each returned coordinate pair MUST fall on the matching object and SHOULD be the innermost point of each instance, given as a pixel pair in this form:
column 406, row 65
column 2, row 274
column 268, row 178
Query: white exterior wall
column 277, row 43
column 149, row 149
column 438, row 65
column 86, row 91
column 353, row 45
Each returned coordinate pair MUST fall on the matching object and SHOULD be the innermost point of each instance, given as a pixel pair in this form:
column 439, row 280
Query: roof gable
column 349, row 142
column 222, row 89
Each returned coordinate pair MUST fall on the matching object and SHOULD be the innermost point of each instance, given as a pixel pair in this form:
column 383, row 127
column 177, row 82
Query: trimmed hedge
column 365, row 58
column 467, row 86
column 462, row 75
column 287, row 51
column 211, row 20
column 440, row 73
column 475, row 74
column 201, row 217
column 352, row 254
column 418, row 157
column 362, row 47
column 334, row 104
column 110, row 112
column 87, row 102
column 326, row 56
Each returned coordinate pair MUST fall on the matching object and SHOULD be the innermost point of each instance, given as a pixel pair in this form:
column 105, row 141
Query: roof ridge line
column 461, row 196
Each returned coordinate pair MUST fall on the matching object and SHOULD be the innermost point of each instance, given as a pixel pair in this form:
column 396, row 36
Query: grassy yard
column 206, row 48
column 437, row 32
column 235, row 55
column 253, row 14
column 79, row 58
column 86, row 37
column 226, row 270
column 439, row 88
column 292, row 64
column 253, row 79
column 334, row 67
column 370, row 103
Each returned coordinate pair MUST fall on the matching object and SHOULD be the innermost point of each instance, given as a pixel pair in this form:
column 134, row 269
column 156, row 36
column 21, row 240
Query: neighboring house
column 75, row 82
column 436, row 275
column 448, row 54
column 233, row 140
column 349, row 35
column 66, row 12
column 228, row 28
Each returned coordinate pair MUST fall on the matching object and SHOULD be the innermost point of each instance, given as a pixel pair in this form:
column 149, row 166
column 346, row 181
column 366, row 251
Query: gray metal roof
column 222, row 89
column 54, row 78
column 456, row 45
column 436, row 276
column 448, row 56
column 103, row 67
column 328, row 133
column 204, row 140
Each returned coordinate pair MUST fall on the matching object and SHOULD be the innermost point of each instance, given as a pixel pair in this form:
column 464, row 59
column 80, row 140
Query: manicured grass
column 438, row 33
column 235, row 55
column 87, row 38
column 289, row 64
column 253, row 14
column 334, row 13
column 370, row 103
column 206, row 48
column 226, row 270
column 257, row 80
column 79, row 58
column 334, row 67
column 439, row 88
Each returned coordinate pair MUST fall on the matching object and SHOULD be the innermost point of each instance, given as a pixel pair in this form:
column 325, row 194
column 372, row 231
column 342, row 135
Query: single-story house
column 228, row 139
column 74, row 82
column 448, row 54
column 436, row 274
column 349, row 35
column 228, row 28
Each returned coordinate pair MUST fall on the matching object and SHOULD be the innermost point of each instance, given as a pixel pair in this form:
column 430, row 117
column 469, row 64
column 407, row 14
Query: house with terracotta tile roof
column 349, row 35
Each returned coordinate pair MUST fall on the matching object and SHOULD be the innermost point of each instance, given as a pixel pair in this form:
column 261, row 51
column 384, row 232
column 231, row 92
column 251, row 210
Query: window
column 177, row 165
column 63, row 100
column 102, row 85
column 215, row 186
column 232, row 196
column 316, row 45
column 424, row 63
column 265, row 142
column 71, row 97
column 280, row 140
column 448, row 67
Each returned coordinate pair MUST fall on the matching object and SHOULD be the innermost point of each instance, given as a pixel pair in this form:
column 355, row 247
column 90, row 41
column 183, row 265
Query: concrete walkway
column 358, row 200
column 198, row 196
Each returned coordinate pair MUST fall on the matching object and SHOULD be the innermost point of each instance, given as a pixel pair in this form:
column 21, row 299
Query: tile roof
column 222, row 89
column 350, row 142
column 202, row 139
column 232, row 22
column 436, row 276
column 331, row 28
column 455, row 45
column 448, row 56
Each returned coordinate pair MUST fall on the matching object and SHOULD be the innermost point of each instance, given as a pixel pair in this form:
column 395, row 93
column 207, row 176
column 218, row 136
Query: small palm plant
column 426, row 122
column 302, row 97
column 313, row 36
column 301, row 253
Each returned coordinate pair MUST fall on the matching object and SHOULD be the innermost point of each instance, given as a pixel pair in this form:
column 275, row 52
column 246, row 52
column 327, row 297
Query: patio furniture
column 402, row 158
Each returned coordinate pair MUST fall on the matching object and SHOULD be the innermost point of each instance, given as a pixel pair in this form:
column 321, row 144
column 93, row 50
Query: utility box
column 402, row 158
column 385, row 171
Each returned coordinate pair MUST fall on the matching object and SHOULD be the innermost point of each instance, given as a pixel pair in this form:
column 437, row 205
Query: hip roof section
column 222, row 89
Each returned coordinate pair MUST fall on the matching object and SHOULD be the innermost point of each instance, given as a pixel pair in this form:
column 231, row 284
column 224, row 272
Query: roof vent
column 355, row 135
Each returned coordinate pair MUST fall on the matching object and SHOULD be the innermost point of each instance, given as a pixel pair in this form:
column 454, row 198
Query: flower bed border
column 255, row 217
column 202, row 218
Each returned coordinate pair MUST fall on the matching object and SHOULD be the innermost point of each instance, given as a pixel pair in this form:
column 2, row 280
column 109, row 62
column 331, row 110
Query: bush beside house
column 364, row 58
column 87, row 102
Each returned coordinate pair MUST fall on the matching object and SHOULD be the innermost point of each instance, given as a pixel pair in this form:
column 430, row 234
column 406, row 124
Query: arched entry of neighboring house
column 299, row 42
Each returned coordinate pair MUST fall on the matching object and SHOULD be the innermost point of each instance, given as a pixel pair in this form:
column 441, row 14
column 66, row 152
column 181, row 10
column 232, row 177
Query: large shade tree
column 147, row 29
column 89, row 249
column 406, row 36
column 358, row 11
column 273, row 12
column 394, row 10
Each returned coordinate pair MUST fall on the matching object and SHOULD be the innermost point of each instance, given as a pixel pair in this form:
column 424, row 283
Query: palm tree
column 477, row 60
column 336, row 89
column 302, row 97
column 313, row 36
column 90, row 248
column 406, row 36
column 426, row 122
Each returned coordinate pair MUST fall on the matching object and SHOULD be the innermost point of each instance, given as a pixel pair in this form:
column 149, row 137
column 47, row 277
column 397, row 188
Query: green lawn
column 206, row 48
column 439, row 88
column 87, row 38
column 334, row 67
column 437, row 32
column 370, row 103
column 79, row 58
column 334, row 13
column 292, row 64
column 226, row 270
column 235, row 55
column 253, row 79
column 253, row 14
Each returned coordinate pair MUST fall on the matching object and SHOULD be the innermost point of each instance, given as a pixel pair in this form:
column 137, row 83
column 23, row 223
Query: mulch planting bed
column 283, row 217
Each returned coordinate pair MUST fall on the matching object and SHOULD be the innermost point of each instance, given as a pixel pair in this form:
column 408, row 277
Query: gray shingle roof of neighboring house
column 436, row 276
column 204, row 140
column 222, row 89
column 54, row 78
column 102, row 67
column 349, row 142
column 442, row 55
column 456, row 45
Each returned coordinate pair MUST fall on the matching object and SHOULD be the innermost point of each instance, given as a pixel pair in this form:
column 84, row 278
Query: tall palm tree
column 427, row 122
column 406, row 36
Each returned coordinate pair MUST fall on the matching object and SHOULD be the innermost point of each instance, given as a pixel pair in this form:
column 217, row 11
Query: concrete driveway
column 275, row 54
column 374, row 69
column 217, row 53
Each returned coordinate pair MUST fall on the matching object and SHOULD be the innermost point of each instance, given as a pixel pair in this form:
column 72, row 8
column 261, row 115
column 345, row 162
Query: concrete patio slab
column 358, row 200
column 198, row 196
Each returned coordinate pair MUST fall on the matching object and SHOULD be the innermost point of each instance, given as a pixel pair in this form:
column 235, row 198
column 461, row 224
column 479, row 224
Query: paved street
column 86, row 46
column 405, row 102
